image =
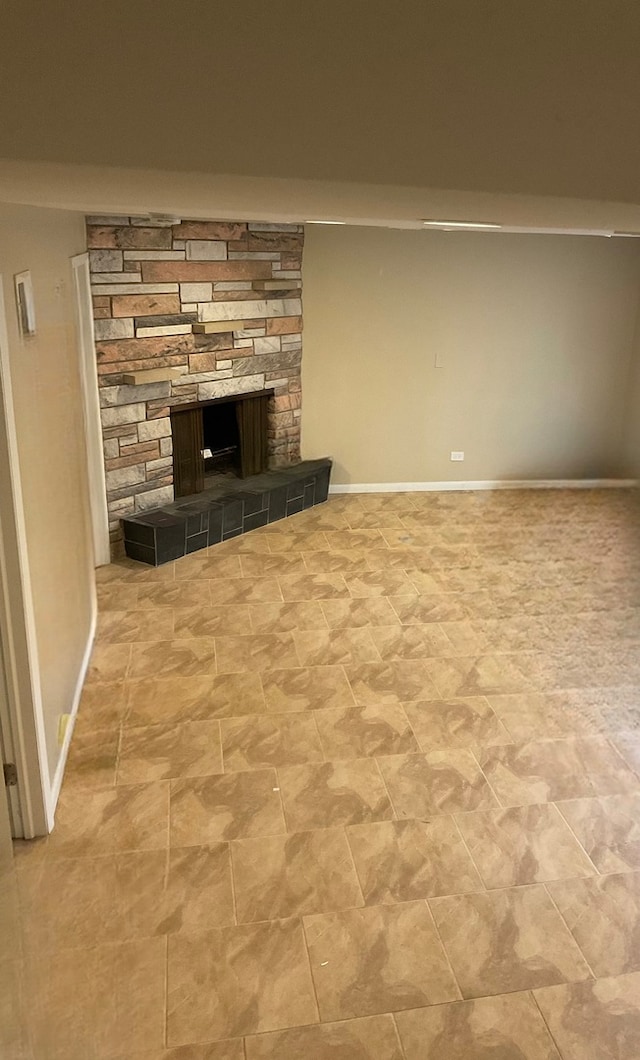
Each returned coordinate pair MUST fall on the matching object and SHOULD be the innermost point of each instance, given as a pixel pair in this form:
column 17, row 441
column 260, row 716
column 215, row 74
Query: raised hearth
column 224, row 511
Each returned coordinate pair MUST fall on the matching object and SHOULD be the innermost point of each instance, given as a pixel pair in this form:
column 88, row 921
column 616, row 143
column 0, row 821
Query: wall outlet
column 457, row 456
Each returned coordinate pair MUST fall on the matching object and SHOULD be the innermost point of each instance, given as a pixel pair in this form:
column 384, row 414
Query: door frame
column 91, row 409
column 21, row 718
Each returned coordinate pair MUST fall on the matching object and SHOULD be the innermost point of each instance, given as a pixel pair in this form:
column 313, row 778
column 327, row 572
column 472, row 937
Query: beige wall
column 48, row 412
column 534, row 335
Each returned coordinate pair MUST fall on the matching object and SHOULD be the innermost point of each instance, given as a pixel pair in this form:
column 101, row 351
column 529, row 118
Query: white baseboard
column 486, row 484
column 64, row 750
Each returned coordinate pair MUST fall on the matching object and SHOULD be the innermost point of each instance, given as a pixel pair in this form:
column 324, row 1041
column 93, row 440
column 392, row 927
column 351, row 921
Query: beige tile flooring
column 363, row 785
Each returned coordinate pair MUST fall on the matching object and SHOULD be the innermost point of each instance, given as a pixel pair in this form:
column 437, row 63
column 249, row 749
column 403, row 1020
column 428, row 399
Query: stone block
column 196, row 292
column 149, row 374
column 244, row 255
column 166, row 446
column 267, row 345
column 132, row 350
column 227, row 387
column 113, row 329
column 147, row 449
column 207, row 343
column 165, row 320
column 268, row 362
column 199, row 271
column 275, row 241
column 123, row 237
column 130, row 276
column 274, row 307
column 209, row 230
column 190, row 307
column 250, row 333
column 153, row 498
column 234, row 285
column 277, row 285
column 134, row 454
column 111, row 448
column 121, row 431
column 131, row 288
column 171, row 329
column 154, row 255
column 161, row 464
column 291, row 261
column 189, row 379
column 206, row 250
column 278, row 226
column 284, row 326
column 105, row 261
column 225, row 364
column 204, row 362
column 157, row 428
column 125, row 476
column 145, row 305
column 115, row 396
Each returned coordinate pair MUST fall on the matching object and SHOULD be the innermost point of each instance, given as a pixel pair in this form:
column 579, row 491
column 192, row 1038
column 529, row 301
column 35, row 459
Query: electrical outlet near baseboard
column 457, row 456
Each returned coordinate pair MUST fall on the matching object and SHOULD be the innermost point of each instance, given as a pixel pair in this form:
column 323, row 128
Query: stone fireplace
column 188, row 313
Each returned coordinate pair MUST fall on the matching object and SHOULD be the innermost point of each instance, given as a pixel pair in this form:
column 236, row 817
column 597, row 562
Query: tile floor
column 363, row 784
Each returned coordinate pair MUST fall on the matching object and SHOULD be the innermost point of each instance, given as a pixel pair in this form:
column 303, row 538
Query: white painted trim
column 91, row 410
column 64, row 750
column 17, row 620
column 484, row 484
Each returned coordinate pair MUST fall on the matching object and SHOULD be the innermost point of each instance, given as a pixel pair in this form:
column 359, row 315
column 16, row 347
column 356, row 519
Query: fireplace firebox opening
column 223, row 437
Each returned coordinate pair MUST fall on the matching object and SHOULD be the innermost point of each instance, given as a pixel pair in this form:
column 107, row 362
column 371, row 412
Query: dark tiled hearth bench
column 225, row 511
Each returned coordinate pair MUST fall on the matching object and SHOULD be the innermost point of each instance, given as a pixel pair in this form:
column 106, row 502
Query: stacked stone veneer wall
column 150, row 282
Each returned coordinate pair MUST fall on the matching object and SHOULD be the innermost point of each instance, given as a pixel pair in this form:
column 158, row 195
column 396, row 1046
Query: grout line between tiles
column 562, row 1055
column 575, row 941
column 355, row 867
column 398, row 1035
column 454, row 817
column 444, row 949
column 564, row 820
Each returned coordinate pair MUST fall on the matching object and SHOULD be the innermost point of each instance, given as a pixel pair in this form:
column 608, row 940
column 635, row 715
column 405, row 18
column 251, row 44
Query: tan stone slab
column 595, row 1020
column 508, row 1026
column 402, row 861
column 520, row 941
column 380, row 959
column 276, row 285
column 214, row 326
column 238, row 980
column 304, row 873
column 139, row 305
column 152, row 375
column 190, row 271
column 232, row 806
column 524, row 844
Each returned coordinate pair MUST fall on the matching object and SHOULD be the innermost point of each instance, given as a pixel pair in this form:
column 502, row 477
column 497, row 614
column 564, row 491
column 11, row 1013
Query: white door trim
column 91, row 410
column 21, row 717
